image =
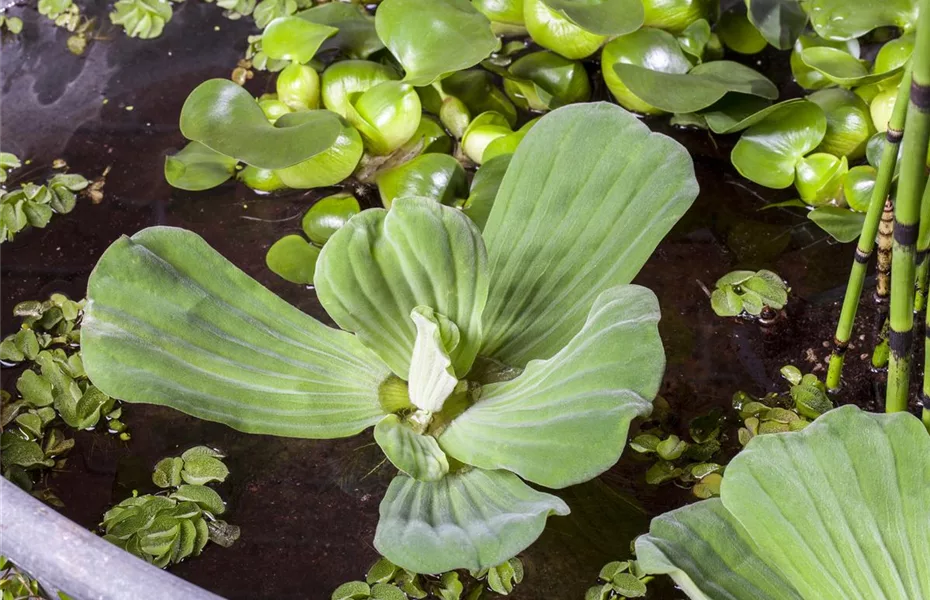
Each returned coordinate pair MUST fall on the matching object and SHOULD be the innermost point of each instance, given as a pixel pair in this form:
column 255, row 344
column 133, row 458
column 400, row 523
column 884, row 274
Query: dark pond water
column 308, row 509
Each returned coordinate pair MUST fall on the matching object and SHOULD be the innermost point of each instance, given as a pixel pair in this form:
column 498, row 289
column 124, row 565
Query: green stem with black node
column 925, row 394
column 867, row 238
column 911, row 182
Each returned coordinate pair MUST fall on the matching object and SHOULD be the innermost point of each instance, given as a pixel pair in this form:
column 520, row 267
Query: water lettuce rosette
column 483, row 359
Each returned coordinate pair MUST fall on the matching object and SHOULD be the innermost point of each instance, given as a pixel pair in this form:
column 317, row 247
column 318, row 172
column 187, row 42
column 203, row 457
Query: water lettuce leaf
column 543, row 286
column 837, row 510
column 469, row 519
column 582, row 398
column 374, row 271
column 419, row 456
column 216, row 344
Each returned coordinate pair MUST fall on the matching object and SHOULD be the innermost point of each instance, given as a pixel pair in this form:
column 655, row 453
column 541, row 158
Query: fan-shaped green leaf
column 419, row 456
column 197, row 167
column 294, row 39
column 226, row 118
column 169, row 321
column 356, row 34
column 565, row 420
column 431, row 38
column 768, row 151
column 607, row 191
column 382, row 264
column 605, row 17
column 837, row 509
column 471, row 519
column 701, row 87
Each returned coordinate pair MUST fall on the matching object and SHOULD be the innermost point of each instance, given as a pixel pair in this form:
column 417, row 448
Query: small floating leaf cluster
column 33, row 204
column 748, row 292
column 164, row 529
column 387, row 581
column 53, row 392
column 620, row 580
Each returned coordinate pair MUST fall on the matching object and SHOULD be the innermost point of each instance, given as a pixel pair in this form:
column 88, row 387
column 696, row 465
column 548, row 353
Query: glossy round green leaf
column 544, row 80
column 811, row 535
column 604, row 17
column 329, row 167
column 554, row 31
column 842, row 224
column 382, row 264
column 226, row 118
column 768, row 151
column 476, row 88
column 436, row 176
column 292, row 258
column 294, row 39
column 738, row 34
column 481, row 132
column 356, row 35
column 849, row 124
column 842, row 68
column 819, row 178
column 703, row 86
column 649, row 48
column 506, row 16
column 844, row 20
column 197, row 167
column 169, row 321
column 895, row 53
column 262, row 180
column 779, row 21
column 414, row 454
column 471, row 519
column 387, row 115
column 694, row 39
column 542, row 288
column 525, row 425
column 431, row 38
column 328, row 216
column 857, row 187
column 807, row 77
column 298, row 87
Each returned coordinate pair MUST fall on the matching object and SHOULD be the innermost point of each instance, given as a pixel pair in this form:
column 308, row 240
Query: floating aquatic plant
column 463, row 349
column 748, row 291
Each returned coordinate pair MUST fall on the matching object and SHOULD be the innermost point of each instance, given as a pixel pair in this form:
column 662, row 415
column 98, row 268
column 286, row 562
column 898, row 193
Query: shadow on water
column 308, row 509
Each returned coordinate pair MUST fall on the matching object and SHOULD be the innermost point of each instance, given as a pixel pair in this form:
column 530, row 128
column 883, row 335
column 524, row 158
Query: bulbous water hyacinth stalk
column 481, row 132
column 653, row 49
column 298, row 86
column 328, row 167
column 911, row 182
column 506, row 16
column 551, row 30
column 347, row 77
column 462, row 347
column 387, row 115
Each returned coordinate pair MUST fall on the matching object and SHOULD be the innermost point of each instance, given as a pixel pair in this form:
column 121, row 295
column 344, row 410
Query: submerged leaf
column 471, row 519
column 169, row 321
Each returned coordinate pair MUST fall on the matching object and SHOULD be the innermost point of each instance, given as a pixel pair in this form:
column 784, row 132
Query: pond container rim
column 64, row 556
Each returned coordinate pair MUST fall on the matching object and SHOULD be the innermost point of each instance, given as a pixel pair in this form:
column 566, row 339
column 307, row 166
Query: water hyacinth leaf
column 819, row 178
column 841, row 67
column 857, row 187
column 436, row 176
column 842, row 224
column 374, row 271
column 431, row 38
column 526, row 425
column 197, row 167
column 676, row 15
column 652, row 49
column 293, row 259
column 704, row 85
column 604, row 17
column 294, row 39
column 213, row 343
column 477, row 89
column 695, row 37
column 330, row 166
column 768, row 151
column 298, row 87
column 807, row 77
column 779, row 21
column 709, row 555
column 849, row 125
column 431, row 377
column 226, row 118
column 843, row 20
column 484, row 186
column 544, row 80
column 539, row 297
column 553, row 31
column 387, row 115
column 346, row 77
column 416, row 455
column 736, row 112
column 356, row 35
column 471, row 519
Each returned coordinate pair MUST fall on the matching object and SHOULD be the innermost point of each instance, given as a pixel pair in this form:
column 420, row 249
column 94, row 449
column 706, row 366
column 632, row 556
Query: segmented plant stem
column 911, row 183
column 925, row 395
column 878, row 219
